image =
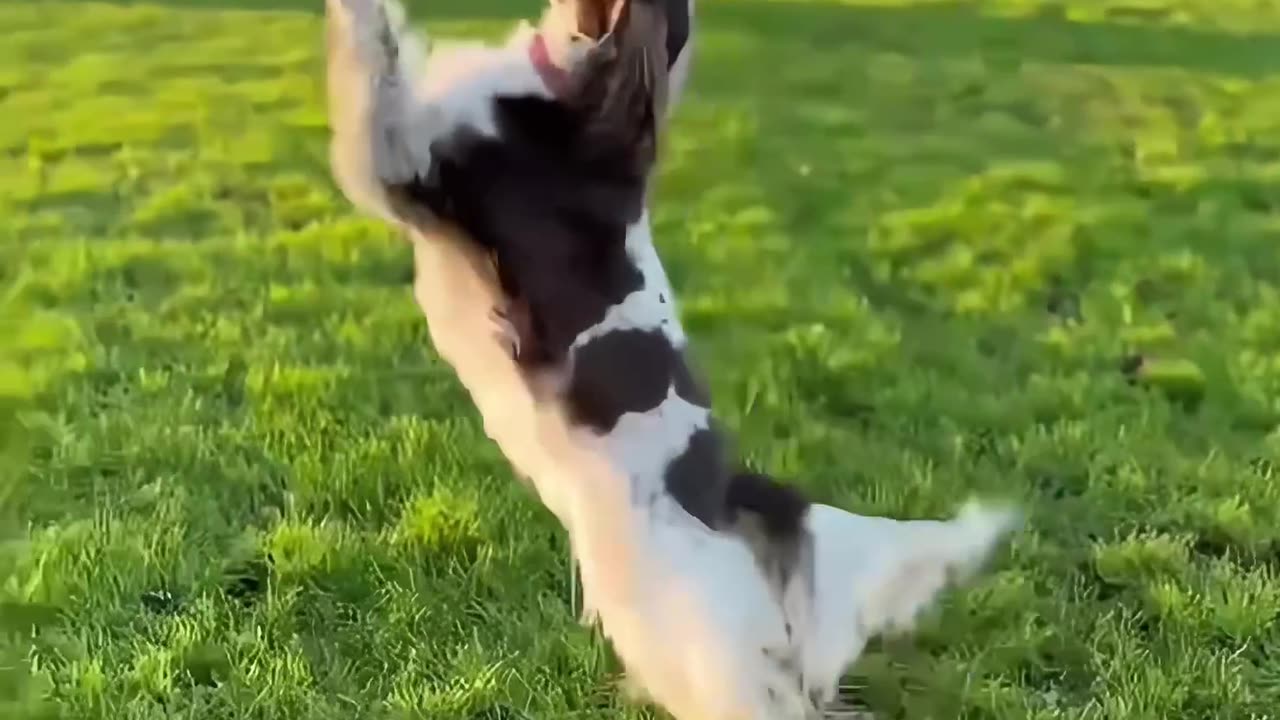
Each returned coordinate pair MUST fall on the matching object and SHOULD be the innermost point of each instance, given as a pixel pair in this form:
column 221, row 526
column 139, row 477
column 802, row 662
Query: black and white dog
column 521, row 172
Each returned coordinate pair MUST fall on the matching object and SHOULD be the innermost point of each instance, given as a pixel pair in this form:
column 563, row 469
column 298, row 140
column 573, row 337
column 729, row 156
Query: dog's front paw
column 375, row 27
column 367, row 12
column 361, row 15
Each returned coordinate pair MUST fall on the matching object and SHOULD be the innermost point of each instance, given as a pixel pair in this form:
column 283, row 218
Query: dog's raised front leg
column 381, row 130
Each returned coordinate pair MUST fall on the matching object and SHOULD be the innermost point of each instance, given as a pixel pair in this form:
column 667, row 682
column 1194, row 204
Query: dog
column 521, row 172
column 538, row 58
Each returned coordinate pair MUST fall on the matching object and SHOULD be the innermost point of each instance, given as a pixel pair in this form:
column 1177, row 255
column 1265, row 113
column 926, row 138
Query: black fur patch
column 677, row 29
column 553, row 206
column 697, row 477
column 553, row 192
column 619, row 372
column 780, row 508
column 688, row 386
column 769, row 518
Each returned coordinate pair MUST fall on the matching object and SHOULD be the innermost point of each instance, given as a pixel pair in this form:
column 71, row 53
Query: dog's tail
column 875, row 575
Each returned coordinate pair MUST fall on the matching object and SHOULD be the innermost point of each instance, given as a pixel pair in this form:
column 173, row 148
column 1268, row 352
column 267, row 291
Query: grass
column 925, row 249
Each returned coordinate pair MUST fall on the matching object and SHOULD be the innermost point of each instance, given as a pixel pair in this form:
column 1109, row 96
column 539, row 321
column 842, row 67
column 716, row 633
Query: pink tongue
column 553, row 76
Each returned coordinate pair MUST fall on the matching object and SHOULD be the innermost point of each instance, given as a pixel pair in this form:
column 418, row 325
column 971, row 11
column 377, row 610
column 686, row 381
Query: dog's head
column 608, row 81
column 591, row 18
column 557, row 185
column 585, row 29
column 621, row 85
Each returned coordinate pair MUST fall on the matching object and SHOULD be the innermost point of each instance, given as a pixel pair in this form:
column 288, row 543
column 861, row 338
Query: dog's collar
column 553, row 76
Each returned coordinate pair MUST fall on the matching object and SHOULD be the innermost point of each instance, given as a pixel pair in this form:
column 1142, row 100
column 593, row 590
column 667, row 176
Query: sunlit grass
column 925, row 250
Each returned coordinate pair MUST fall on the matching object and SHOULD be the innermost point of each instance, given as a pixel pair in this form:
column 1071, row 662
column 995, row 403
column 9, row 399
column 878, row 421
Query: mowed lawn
column 1017, row 248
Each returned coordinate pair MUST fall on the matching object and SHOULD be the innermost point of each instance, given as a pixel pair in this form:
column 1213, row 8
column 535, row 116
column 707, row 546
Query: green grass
column 1013, row 246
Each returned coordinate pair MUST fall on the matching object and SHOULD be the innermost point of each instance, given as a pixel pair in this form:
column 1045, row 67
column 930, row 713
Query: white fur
column 679, row 75
column 687, row 609
column 653, row 306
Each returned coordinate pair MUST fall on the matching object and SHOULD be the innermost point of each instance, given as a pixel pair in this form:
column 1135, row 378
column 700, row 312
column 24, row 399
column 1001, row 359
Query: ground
column 1023, row 249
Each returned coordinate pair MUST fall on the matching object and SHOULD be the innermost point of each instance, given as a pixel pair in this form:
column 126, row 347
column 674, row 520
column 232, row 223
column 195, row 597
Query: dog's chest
column 632, row 386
